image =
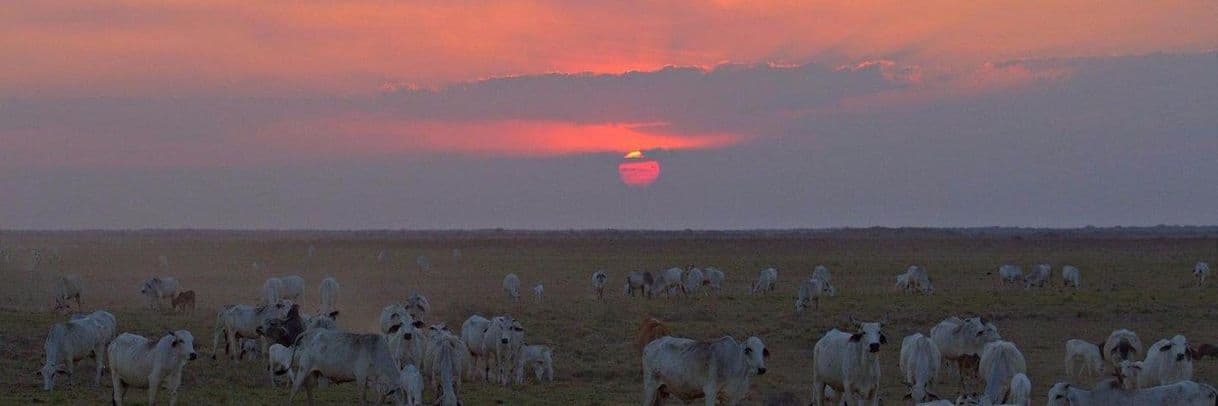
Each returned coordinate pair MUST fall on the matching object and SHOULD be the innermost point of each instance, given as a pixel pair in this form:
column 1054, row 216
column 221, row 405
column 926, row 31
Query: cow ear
column 1165, row 348
column 932, row 395
column 394, row 328
column 334, row 314
column 854, row 338
column 883, row 339
column 908, row 396
column 765, row 352
column 417, row 324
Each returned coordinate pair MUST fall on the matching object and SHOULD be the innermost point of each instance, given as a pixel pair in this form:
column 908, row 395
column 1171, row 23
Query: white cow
column 1128, row 372
column 538, row 290
column 694, row 279
column 599, row 278
column 405, row 341
column 138, row 362
column 412, row 384
column 66, row 288
column 1167, row 361
column 74, row 340
column 810, row 290
column 849, row 363
column 1071, row 277
column 511, row 286
column 347, row 357
column 766, row 279
column 159, row 289
column 1109, row 393
column 417, row 305
column 392, row 315
column 293, row 288
column 957, row 337
column 271, row 291
column 1038, row 277
column 1122, row 345
column 328, row 290
column 446, row 360
column 821, row 272
column 714, row 279
column 714, row 370
column 540, row 358
column 919, row 364
column 668, row 281
column 1000, row 361
column 242, row 321
column 1201, row 271
column 1010, row 274
column 501, row 343
column 280, row 360
column 472, row 332
column 1083, row 359
column 639, row 281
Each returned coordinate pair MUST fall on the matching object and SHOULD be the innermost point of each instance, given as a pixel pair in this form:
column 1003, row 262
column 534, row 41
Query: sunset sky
column 473, row 114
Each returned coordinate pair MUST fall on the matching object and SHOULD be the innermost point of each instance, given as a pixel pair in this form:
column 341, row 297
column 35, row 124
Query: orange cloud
column 229, row 46
column 370, row 136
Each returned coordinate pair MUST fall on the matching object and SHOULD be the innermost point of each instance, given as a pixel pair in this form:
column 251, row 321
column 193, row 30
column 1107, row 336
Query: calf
column 138, row 362
column 511, row 286
column 242, row 321
column 412, row 385
column 849, row 363
column 67, row 288
column 159, row 289
column 500, row 345
column 689, row 369
column 919, row 364
column 540, row 358
column 184, row 301
column 1083, row 359
column 650, row 330
column 822, row 273
column 279, row 357
column 639, row 281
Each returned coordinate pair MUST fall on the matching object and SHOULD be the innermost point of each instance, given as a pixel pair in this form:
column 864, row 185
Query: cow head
column 919, row 393
column 755, row 354
column 183, row 344
column 514, row 334
column 49, row 371
column 1178, row 349
column 870, row 334
column 1127, row 373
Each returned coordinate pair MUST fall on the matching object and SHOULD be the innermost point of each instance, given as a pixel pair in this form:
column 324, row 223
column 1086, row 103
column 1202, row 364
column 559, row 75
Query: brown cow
column 650, row 330
column 184, row 300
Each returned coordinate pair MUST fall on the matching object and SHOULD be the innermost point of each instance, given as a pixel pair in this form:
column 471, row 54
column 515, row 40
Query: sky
column 517, row 114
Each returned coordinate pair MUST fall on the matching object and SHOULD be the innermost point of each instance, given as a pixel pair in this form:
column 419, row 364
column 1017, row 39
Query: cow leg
column 175, row 381
column 98, row 358
column 818, row 390
column 710, row 390
column 650, row 390
column 70, row 366
column 154, row 383
column 117, row 385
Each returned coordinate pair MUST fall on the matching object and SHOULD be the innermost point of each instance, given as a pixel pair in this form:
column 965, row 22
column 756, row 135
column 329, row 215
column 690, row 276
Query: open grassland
column 1139, row 283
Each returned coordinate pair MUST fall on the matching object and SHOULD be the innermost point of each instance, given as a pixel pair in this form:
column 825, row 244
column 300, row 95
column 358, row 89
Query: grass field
column 1140, row 283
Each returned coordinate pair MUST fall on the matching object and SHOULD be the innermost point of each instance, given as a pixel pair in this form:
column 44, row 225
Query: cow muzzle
column 407, row 336
column 873, row 347
column 761, row 371
column 194, row 356
column 1179, row 357
column 503, row 340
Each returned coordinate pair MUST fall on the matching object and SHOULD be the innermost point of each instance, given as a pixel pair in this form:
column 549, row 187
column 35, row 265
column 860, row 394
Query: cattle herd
column 308, row 351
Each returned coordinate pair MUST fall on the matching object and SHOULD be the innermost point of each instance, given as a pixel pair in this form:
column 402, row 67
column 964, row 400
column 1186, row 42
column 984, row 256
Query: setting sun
column 638, row 170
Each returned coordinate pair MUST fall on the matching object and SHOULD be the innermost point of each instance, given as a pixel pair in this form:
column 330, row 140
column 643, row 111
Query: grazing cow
column 500, row 345
column 714, row 279
column 957, row 338
column 598, row 283
column 279, row 357
column 417, row 305
column 916, row 279
column 694, row 279
column 242, row 321
column 538, row 290
column 328, row 291
column 1000, row 361
column 347, row 357
column 272, row 291
column 74, row 340
column 1083, row 359
column 668, row 281
column 650, row 330
column 1122, row 345
column 184, row 301
column 511, row 286
column 1038, row 277
column 919, row 364
column 1071, row 277
column 1201, row 271
column 1010, row 274
column 821, row 272
column 159, row 289
column 66, row 288
column 540, row 358
column 766, row 280
column 138, row 362
column 412, row 385
column 1167, row 361
column 810, row 290
column 1021, row 390
column 639, row 281
column 903, row 283
column 688, row 369
column 1110, row 393
column 446, row 360
column 249, row 346
column 849, row 363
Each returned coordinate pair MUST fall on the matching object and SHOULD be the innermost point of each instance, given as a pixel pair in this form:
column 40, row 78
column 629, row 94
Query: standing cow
column 67, row 287
column 159, row 289
column 599, row 279
column 511, row 286
column 689, row 369
column 138, row 362
column 849, row 363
